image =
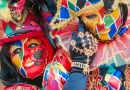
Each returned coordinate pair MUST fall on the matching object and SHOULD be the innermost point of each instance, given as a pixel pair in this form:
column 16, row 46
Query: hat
column 68, row 10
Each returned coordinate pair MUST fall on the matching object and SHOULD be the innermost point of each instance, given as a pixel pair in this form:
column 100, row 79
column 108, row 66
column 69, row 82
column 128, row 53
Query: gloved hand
column 83, row 48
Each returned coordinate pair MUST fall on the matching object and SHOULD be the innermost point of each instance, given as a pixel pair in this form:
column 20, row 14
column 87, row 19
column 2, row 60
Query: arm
column 81, row 53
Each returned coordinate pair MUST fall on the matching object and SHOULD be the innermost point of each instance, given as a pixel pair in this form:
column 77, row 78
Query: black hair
column 124, row 8
column 9, row 75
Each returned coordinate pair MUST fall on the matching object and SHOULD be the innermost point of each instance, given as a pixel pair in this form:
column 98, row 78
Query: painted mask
column 104, row 24
column 29, row 56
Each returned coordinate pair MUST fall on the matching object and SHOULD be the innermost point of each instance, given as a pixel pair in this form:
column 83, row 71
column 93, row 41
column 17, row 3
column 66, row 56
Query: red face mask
column 29, row 56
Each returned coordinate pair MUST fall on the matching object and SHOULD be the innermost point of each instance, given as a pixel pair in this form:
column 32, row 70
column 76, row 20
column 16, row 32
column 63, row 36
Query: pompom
column 5, row 14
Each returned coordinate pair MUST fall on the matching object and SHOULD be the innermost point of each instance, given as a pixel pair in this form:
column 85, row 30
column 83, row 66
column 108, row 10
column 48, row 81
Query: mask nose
column 26, row 54
column 100, row 20
column 100, row 24
column 100, row 27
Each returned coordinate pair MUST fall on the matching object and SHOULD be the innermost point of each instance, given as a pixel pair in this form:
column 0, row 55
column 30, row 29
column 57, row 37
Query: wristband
column 84, row 66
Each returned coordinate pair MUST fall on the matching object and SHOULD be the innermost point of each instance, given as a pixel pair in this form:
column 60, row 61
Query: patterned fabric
column 54, row 78
column 112, row 78
column 57, row 72
column 127, row 75
column 94, row 81
column 69, row 7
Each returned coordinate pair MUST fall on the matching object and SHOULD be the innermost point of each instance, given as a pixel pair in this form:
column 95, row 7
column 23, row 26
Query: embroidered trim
column 93, row 82
column 127, row 76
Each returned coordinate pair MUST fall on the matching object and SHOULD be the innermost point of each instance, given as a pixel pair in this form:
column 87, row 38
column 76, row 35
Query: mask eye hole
column 32, row 45
column 17, row 50
column 92, row 16
column 108, row 12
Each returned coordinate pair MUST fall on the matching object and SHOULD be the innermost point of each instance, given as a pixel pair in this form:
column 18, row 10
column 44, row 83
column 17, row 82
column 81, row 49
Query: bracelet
column 84, row 66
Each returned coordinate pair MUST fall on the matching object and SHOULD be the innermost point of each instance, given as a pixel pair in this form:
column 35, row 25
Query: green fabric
column 71, row 6
column 110, row 70
column 8, row 30
column 108, row 20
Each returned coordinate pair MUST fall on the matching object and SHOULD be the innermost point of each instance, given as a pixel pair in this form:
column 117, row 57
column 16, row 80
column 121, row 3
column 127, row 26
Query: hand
column 83, row 47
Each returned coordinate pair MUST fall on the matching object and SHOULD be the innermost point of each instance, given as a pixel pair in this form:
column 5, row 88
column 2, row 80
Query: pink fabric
column 22, row 87
column 19, row 8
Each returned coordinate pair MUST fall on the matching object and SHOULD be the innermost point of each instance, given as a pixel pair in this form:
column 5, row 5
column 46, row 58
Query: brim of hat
column 21, row 36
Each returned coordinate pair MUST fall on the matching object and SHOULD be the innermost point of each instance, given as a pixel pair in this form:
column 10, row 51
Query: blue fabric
column 49, row 18
column 76, row 81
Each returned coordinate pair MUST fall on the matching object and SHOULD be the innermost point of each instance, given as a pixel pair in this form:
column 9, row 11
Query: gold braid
column 57, row 13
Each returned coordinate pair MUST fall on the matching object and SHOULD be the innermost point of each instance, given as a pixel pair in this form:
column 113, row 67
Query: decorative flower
column 5, row 14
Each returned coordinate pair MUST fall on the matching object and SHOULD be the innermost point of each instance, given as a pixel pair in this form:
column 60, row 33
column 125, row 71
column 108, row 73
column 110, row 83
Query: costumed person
column 109, row 21
column 27, row 48
column 27, row 52
column 27, row 55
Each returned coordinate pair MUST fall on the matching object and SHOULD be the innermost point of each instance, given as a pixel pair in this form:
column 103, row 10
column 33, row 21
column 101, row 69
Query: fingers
column 80, row 34
column 73, row 40
column 80, row 27
column 74, row 36
column 73, row 44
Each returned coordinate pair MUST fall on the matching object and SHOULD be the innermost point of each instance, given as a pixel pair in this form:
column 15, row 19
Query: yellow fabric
column 74, row 1
column 107, row 76
column 59, row 66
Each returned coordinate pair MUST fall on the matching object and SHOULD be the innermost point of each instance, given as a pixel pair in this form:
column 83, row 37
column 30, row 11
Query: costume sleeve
column 55, row 76
column 76, row 81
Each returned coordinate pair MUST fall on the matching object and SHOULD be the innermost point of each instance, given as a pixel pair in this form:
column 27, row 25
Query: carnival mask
column 104, row 24
column 18, row 19
column 29, row 56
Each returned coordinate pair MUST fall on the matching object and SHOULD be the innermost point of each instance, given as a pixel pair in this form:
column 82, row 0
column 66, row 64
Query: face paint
column 29, row 56
column 104, row 24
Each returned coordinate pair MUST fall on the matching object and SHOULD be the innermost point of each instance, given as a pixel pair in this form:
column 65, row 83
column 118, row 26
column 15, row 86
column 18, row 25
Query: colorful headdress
column 68, row 10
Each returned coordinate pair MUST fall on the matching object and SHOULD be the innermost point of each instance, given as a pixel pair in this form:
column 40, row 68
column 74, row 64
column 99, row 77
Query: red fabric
column 29, row 18
column 4, row 24
column 115, row 81
column 61, row 56
column 64, row 2
column 19, row 8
